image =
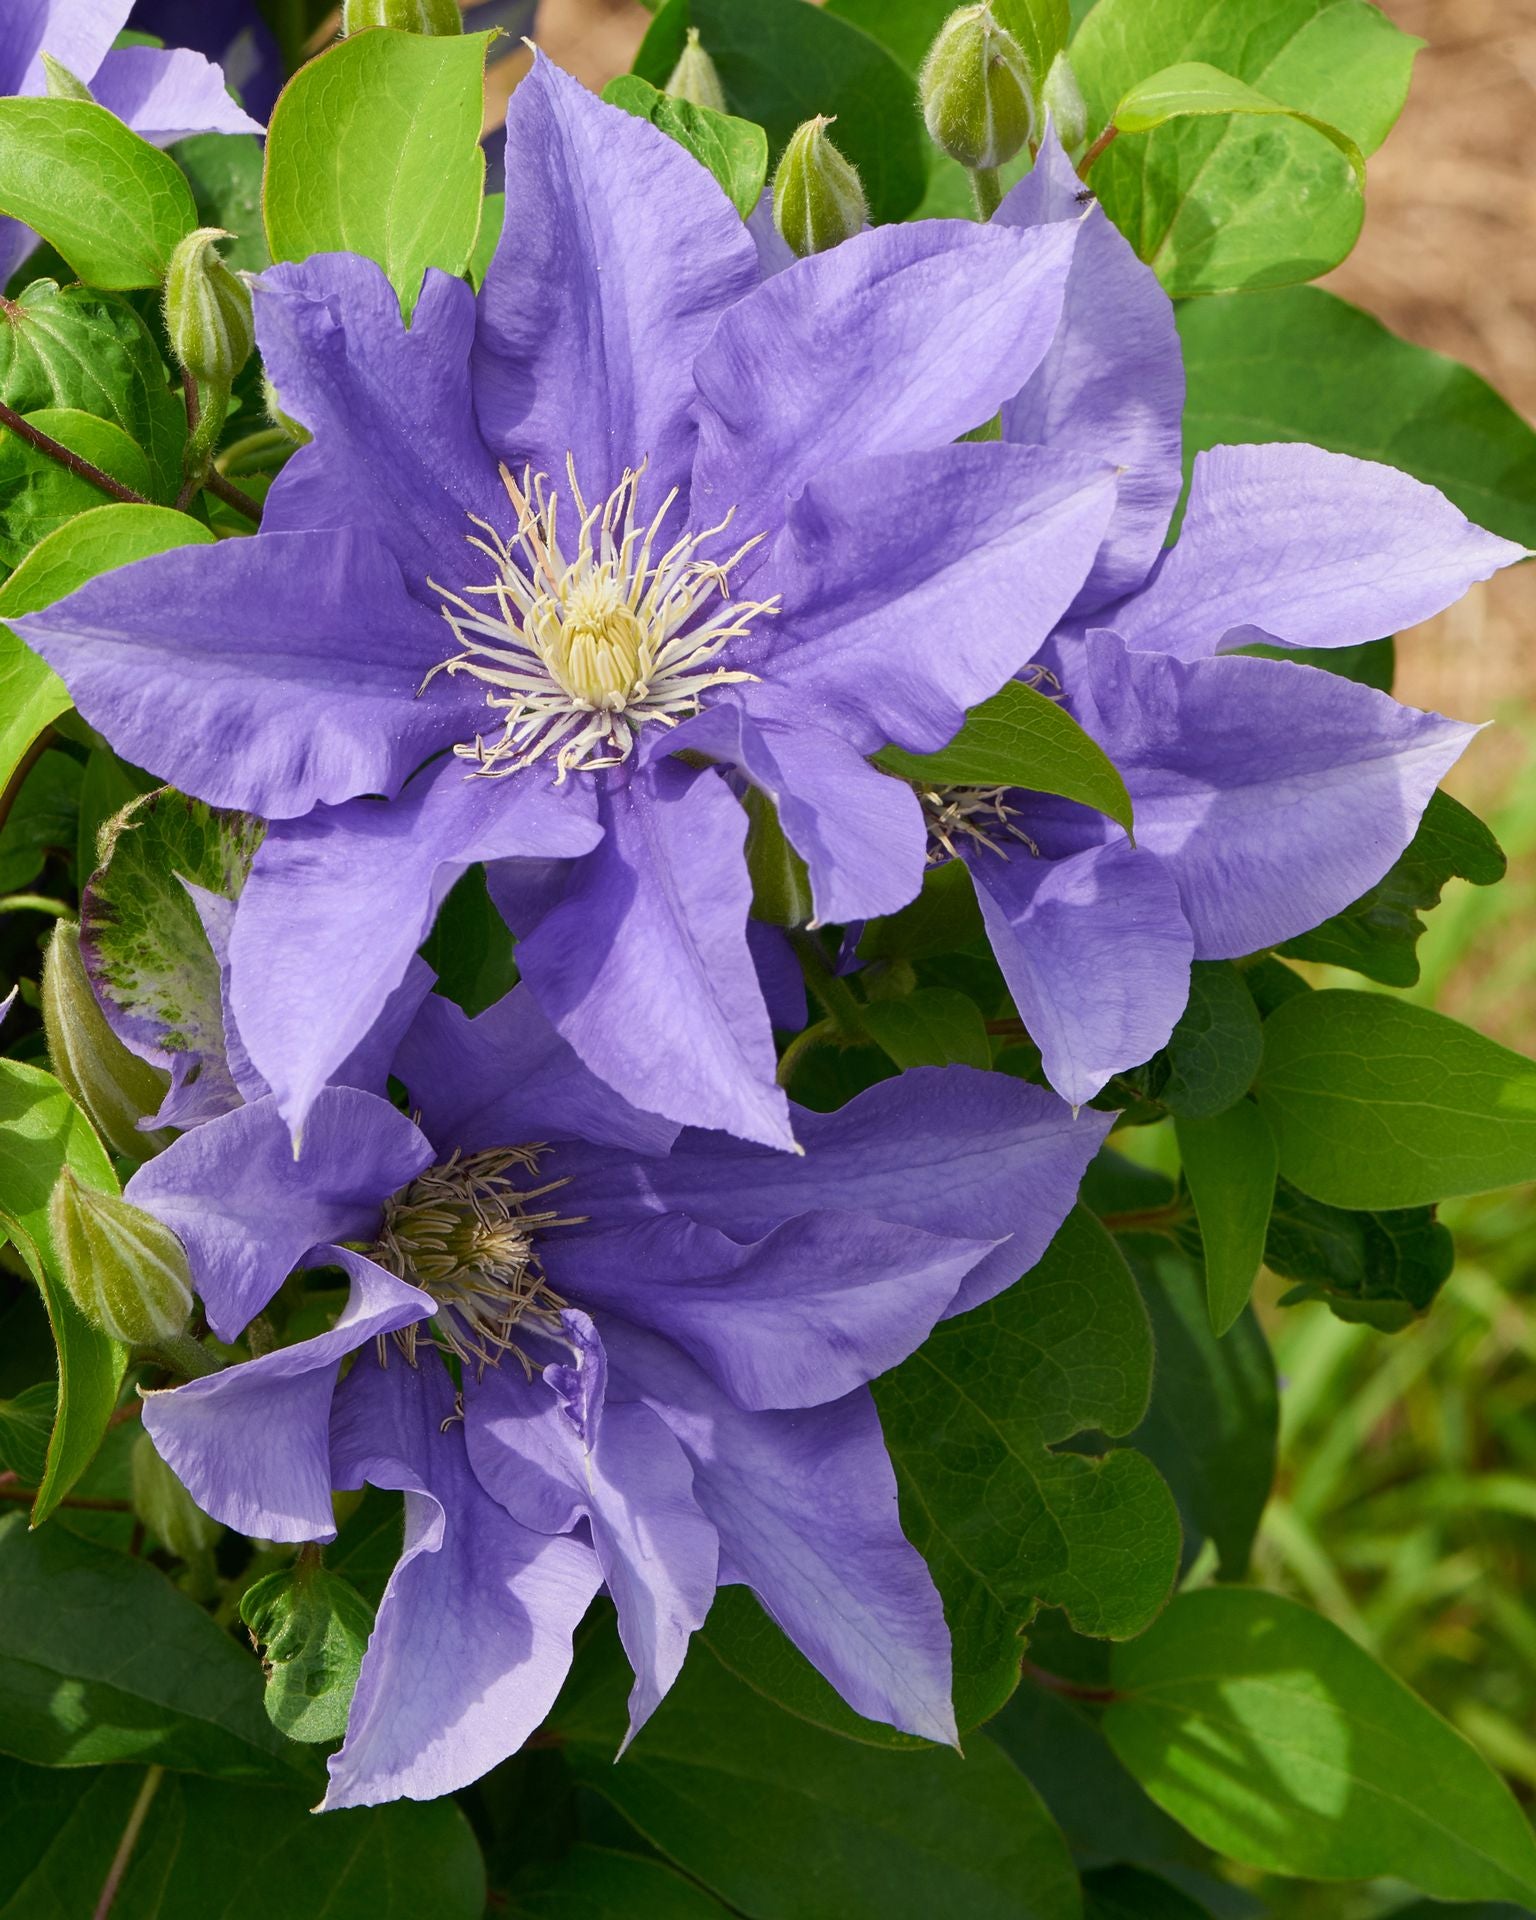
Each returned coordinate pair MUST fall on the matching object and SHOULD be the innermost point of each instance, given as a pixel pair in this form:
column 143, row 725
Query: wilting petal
column 247, row 1209
column 267, row 674
column 337, row 904
column 618, row 254
column 164, row 94
column 474, row 1631
column 1095, row 949
column 644, row 968
column 805, row 1506
column 252, row 1444
column 1274, row 793
column 1308, row 548
column 1112, row 383
column 899, row 340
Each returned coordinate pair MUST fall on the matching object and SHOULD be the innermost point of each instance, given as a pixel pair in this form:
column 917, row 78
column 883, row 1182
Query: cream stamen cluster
column 980, row 815
column 581, row 650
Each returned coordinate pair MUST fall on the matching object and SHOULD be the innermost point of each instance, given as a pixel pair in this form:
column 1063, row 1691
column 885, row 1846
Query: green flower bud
column 167, row 1510
column 62, row 84
column 410, row 16
column 977, row 91
column 115, row 1087
column 818, row 198
column 126, row 1272
column 694, row 78
column 208, row 310
column 299, row 435
column 1063, row 100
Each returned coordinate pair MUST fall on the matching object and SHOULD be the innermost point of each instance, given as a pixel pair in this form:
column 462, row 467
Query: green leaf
column 1229, row 1163
column 42, row 1130
column 42, row 821
column 1267, row 1732
column 110, row 203
column 211, row 1850
column 25, row 1424
column 1214, row 1050
column 600, row 1883
column 38, row 494
column 1005, row 1522
column 1381, row 1268
column 744, row 1798
column 1378, row 934
column 1377, row 1104
column 1243, row 202
column 1195, row 90
column 781, row 62
column 735, row 151
column 102, row 1660
column 1131, row 1893
column 470, row 948
column 312, row 1628
column 1305, row 365
column 374, row 148
column 933, row 1027
column 1019, row 738
column 224, row 173
column 942, row 919
column 493, row 213
column 74, row 347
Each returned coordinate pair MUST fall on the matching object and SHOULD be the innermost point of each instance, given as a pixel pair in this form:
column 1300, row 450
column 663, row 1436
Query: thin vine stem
column 76, row 463
column 130, row 1839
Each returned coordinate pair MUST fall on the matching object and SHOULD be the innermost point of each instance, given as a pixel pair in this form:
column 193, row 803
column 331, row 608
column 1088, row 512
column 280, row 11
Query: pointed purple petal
column 164, row 94
column 77, row 33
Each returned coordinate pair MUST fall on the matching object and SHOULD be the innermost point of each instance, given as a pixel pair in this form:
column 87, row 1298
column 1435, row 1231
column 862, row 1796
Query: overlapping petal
column 166, row 93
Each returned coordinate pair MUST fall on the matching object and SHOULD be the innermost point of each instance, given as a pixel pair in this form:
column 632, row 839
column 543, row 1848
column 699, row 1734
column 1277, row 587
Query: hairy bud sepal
column 167, row 1510
column 408, row 16
column 1063, row 100
column 114, row 1086
column 977, row 91
column 61, row 83
column 126, row 1272
column 207, row 310
column 818, row 198
column 695, row 78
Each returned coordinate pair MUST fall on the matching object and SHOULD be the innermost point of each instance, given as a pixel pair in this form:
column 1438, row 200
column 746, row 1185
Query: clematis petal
column 897, row 341
column 1095, row 949
column 805, row 1506
column 644, row 967
column 337, row 904
column 395, row 447
column 779, row 975
column 247, row 1209
column 817, row 1307
column 1112, row 382
column 252, row 1444
column 1308, row 548
column 456, row 1071
column 166, row 93
column 1274, row 793
column 494, row 1603
column 77, row 33
column 267, row 674
column 598, row 297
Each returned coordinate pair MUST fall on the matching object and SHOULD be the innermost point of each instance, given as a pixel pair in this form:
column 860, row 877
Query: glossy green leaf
column 1230, row 1164
column 493, row 213
column 1214, row 1050
column 1195, row 90
column 470, row 948
column 744, row 1798
column 1020, row 738
column 1378, row 1104
column 1378, row 934
column 1242, row 201
column 1380, row 1268
column 781, row 62
column 1273, row 1737
column 933, row 1027
column 312, row 1628
column 601, row 1883
column 943, row 918
column 113, row 205
column 38, row 494
column 735, row 151
column 1303, row 364
column 42, row 820
column 1005, row 1522
column 224, row 173
column 374, row 148
column 25, row 1424
column 41, row 1130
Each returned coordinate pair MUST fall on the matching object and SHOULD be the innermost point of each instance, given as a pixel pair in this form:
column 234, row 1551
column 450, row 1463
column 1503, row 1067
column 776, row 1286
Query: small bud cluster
column 208, row 310
column 115, row 1087
column 977, row 91
column 694, row 78
column 126, row 1272
column 818, row 198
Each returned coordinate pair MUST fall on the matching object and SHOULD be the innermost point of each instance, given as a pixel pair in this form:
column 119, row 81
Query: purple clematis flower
column 663, row 1342
column 1268, row 794
column 162, row 93
column 231, row 33
column 630, row 502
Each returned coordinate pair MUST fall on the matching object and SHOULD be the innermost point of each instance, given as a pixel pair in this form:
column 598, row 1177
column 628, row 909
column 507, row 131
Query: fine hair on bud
column 208, row 310
column 1063, row 100
column 61, row 83
column 125, row 1271
column 818, row 198
column 695, row 78
column 409, row 16
column 977, row 91
column 116, row 1088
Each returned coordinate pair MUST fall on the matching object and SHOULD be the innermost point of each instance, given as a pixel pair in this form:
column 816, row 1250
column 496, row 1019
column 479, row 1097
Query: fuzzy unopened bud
column 410, row 16
column 116, row 1088
column 977, row 91
column 208, row 310
column 126, row 1272
column 695, row 78
column 61, row 83
column 167, row 1510
column 818, row 198
column 1063, row 100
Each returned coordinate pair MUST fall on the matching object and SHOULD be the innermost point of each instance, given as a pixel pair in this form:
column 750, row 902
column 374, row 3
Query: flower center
column 579, row 649
column 980, row 815
column 466, row 1234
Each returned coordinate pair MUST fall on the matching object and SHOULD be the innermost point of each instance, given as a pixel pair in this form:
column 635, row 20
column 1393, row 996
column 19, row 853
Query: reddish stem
column 1109, row 133
column 55, row 450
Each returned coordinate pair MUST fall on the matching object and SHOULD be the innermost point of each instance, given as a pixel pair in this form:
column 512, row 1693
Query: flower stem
column 987, row 191
column 1109, row 133
column 1068, row 1689
column 136, row 1818
column 55, row 450
column 231, row 495
column 821, row 1033
column 834, row 997
column 183, row 1355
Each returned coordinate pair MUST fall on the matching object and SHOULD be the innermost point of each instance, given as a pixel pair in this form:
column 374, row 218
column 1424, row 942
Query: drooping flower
column 533, row 535
column 662, row 1344
column 163, row 93
column 1268, row 794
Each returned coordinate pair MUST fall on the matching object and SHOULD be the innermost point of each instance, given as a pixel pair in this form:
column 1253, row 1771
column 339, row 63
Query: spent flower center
column 978, row 815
